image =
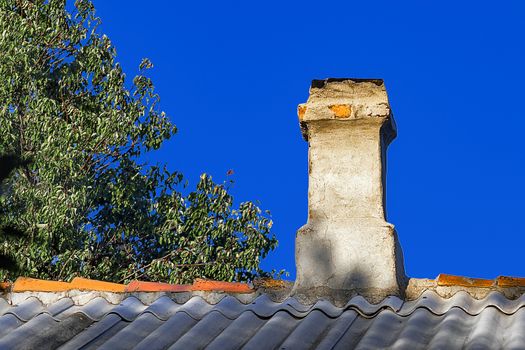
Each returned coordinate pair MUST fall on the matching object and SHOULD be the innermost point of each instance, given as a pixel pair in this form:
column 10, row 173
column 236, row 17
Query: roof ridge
column 28, row 284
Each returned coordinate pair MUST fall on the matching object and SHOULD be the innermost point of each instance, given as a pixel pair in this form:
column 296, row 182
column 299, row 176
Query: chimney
column 347, row 247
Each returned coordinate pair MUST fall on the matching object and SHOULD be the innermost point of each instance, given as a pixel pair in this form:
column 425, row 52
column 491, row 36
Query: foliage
column 88, row 205
column 9, row 233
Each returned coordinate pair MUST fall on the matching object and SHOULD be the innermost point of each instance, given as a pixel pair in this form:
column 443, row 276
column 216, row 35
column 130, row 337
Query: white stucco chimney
column 347, row 247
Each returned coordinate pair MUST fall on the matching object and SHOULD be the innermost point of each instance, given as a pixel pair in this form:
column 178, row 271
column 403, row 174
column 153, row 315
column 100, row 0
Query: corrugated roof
column 430, row 322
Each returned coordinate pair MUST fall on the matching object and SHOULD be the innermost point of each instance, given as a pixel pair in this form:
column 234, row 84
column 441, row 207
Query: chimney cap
column 344, row 99
column 320, row 83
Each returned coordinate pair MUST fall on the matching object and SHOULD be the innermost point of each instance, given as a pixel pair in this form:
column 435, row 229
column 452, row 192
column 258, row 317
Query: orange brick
column 231, row 287
column 80, row 283
column 451, row 280
column 140, row 286
column 341, row 111
column 506, row 281
column 301, row 110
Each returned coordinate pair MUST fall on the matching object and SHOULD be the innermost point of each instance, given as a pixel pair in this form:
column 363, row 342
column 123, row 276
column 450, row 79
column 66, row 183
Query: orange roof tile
column 140, row 286
column 210, row 285
column 80, row 283
column 505, row 281
column 269, row 283
column 501, row 281
column 451, row 280
column 26, row 284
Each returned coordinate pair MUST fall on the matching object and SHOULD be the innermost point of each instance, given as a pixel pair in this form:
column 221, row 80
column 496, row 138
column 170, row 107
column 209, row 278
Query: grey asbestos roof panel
column 430, row 322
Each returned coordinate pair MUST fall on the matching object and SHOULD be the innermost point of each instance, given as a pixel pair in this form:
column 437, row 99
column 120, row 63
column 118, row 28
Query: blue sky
column 231, row 73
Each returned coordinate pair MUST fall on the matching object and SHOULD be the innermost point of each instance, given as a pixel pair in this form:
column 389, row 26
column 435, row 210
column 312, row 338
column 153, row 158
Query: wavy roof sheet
column 430, row 322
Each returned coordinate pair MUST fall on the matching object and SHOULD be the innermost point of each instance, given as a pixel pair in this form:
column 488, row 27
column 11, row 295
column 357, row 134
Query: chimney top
column 320, row 83
column 344, row 99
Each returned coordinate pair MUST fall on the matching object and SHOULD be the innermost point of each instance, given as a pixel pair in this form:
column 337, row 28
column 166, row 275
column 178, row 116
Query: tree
column 87, row 203
column 8, row 233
